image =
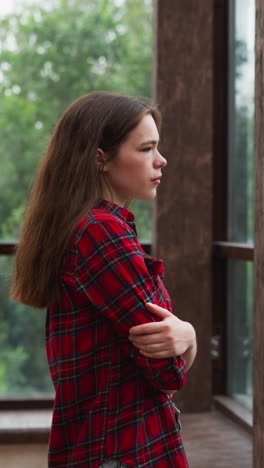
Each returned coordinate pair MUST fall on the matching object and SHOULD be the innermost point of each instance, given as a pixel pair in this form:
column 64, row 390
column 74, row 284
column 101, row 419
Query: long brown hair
column 67, row 186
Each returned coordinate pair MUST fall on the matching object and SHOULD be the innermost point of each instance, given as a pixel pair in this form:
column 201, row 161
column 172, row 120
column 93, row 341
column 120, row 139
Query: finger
column 151, row 347
column 160, row 311
column 142, row 340
column 158, row 348
column 146, row 328
column 158, row 355
column 154, row 348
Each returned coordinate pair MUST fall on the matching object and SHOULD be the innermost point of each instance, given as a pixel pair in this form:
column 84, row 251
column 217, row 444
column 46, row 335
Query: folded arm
column 167, row 338
column 111, row 272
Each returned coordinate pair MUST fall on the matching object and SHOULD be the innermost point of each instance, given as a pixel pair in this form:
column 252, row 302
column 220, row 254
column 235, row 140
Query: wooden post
column 258, row 377
column 183, row 211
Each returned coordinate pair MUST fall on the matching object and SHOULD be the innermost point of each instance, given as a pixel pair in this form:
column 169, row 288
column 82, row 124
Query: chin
column 152, row 196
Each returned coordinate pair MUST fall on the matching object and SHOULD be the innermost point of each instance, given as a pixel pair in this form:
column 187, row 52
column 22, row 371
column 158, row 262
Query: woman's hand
column 167, row 338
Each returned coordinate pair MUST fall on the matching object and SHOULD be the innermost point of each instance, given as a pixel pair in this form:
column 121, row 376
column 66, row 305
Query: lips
column 156, row 181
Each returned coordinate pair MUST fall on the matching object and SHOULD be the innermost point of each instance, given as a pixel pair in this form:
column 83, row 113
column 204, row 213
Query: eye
column 147, row 149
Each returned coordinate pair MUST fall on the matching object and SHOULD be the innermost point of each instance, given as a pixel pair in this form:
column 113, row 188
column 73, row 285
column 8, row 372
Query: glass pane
column 23, row 366
column 240, row 325
column 50, row 54
column 241, row 120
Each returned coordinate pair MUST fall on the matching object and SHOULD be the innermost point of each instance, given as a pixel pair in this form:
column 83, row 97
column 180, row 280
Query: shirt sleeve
column 111, row 272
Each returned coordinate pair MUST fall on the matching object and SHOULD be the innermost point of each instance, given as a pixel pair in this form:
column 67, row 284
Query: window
column 234, row 275
column 49, row 56
column 240, row 198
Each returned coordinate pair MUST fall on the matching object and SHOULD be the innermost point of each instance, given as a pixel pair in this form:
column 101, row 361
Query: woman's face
column 135, row 172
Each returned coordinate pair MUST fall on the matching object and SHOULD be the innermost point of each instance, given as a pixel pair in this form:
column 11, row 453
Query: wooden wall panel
column 183, row 211
column 220, row 166
column 258, row 360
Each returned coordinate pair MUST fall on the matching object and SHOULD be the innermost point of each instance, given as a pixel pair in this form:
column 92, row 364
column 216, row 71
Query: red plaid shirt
column 109, row 403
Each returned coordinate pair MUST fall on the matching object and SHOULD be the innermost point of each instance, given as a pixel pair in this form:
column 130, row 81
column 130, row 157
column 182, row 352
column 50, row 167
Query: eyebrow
column 149, row 142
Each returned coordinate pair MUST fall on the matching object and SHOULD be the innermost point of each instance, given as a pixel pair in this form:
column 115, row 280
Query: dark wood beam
column 183, row 233
column 234, row 250
column 258, row 372
column 7, row 248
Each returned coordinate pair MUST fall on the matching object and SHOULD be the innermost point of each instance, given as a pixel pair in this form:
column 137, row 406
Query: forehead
column 145, row 130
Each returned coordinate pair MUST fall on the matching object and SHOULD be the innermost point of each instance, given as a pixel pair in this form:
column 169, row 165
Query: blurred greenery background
column 49, row 56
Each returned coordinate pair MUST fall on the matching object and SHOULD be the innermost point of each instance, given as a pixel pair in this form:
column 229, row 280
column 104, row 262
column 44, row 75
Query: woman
column 116, row 353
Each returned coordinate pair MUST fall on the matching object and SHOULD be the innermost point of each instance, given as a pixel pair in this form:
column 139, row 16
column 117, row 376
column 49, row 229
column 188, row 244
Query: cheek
column 135, row 167
column 131, row 169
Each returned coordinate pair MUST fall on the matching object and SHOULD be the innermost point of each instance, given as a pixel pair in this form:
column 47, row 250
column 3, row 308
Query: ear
column 101, row 160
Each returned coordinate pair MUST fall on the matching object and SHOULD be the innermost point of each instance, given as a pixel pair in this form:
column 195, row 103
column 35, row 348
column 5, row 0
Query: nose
column 160, row 161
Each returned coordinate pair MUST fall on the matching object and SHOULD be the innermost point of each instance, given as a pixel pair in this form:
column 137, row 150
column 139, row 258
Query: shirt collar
column 116, row 210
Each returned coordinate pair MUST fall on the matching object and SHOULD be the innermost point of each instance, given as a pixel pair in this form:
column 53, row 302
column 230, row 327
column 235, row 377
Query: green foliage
column 241, row 150
column 49, row 56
